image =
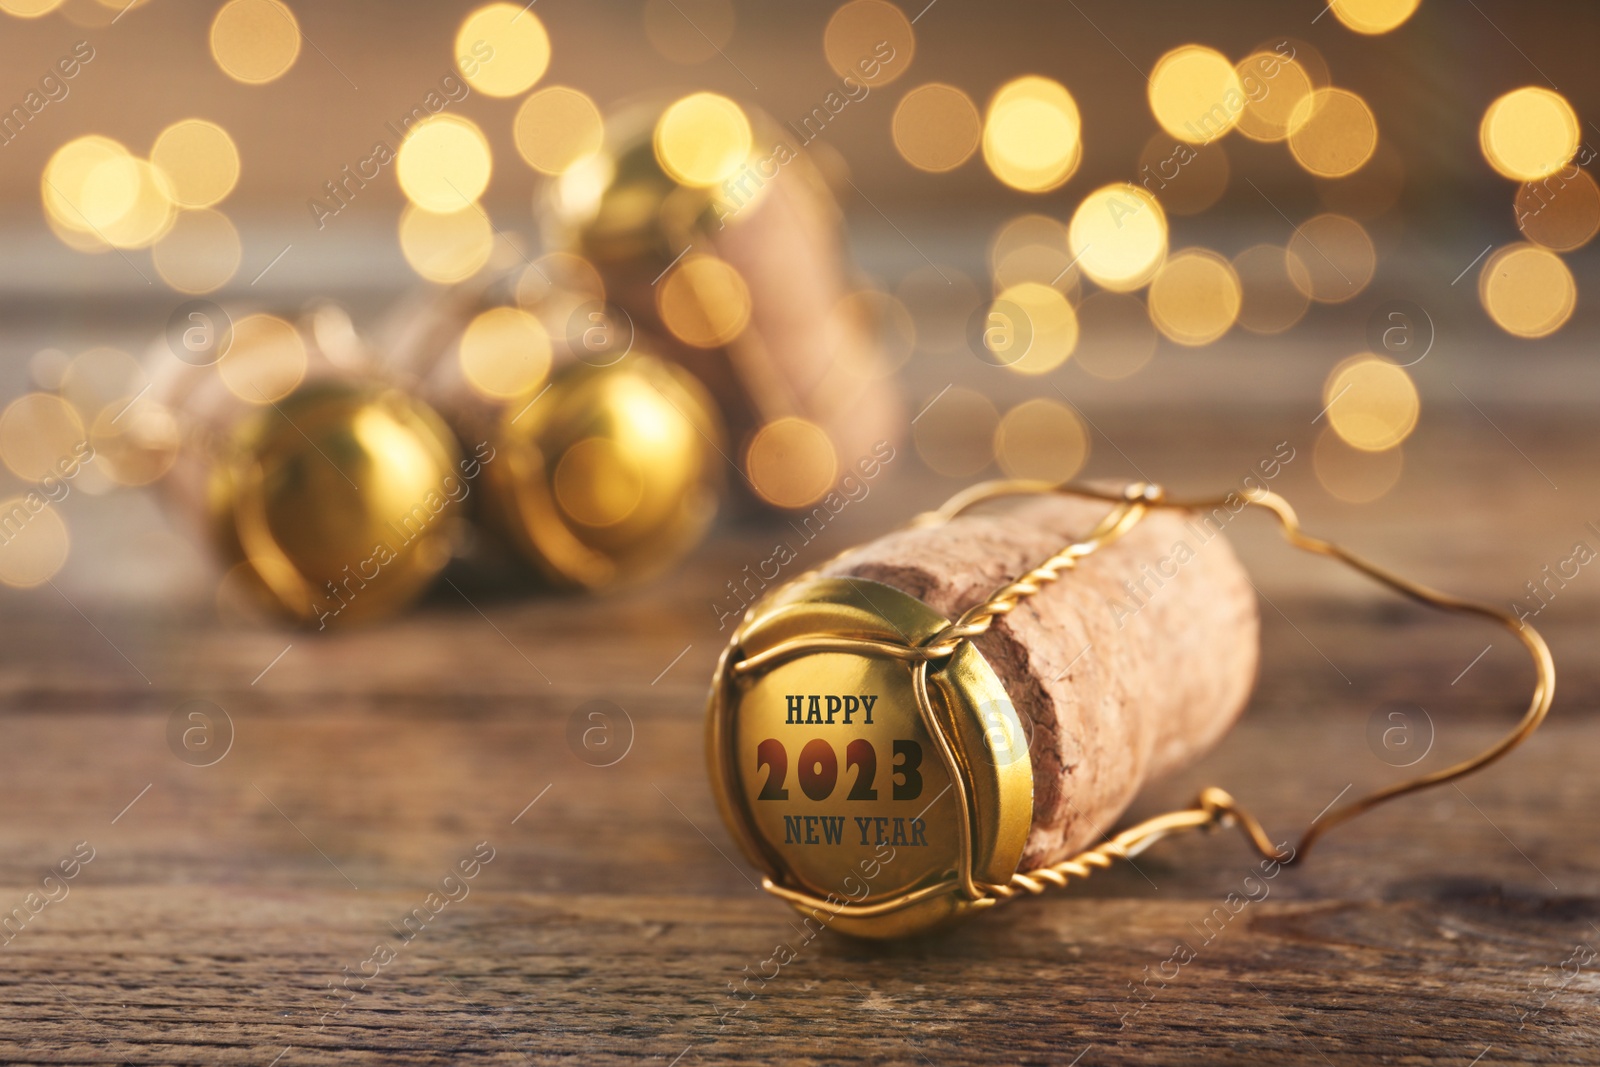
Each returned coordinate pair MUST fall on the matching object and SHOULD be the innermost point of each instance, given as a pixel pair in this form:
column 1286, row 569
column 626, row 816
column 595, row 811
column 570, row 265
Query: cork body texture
column 1128, row 667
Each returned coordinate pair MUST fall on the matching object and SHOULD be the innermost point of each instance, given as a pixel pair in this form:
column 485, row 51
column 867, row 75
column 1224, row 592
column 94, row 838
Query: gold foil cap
column 870, row 810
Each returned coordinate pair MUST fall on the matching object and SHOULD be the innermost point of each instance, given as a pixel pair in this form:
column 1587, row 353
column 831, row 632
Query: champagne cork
column 1130, row 666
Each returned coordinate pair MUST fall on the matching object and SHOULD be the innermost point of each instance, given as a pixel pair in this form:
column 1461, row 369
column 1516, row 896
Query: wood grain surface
column 253, row 911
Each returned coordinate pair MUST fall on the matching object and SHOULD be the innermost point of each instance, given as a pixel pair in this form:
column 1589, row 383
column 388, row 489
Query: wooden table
column 227, row 908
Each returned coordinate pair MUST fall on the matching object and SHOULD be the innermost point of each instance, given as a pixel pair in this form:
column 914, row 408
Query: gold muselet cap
column 879, row 792
column 340, row 500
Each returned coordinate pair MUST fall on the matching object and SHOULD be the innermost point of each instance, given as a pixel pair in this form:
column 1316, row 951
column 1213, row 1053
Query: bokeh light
column 444, row 164
column 1046, row 336
column 89, row 183
column 1187, row 179
column 502, row 49
column 1195, row 93
column 688, row 31
column 1274, row 86
column 1119, row 236
column 445, row 248
column 1275, row 286
column 504, row 353
column 1041, row 439
column 1032, row 134
column 1332, row 132
column 870, row 41
column 1529, row 133
column 703, row 301
column 135, row 440
column 38, row 431
column 1194, row 297
column 1527, row 290
column 556, row 127
column 791, row 462
column 1032, row 248
column 955, row 433
column 36, row 546
column 597, row 482
column 1338, row 257
column 255, row 41
column 1373, row 16
column 1561, row 212
column 101, row 376
column 1115, row 335
column 199, row 160
column 266, row 361
column 29, row 9
column 702, row 139
column 1371, row 403
column 200, row 253
column 936, row 127
column 1355, row 475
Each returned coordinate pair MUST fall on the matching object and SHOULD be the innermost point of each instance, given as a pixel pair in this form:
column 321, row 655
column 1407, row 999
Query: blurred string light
column 1370, row 403
column 199, row 159
column 1373, row 16
column 1032, row 248
column 955, row 432
column 1115, row 335
column 1529, row 133
column 556, row 127
column 791, row 462
column 1355, row 475
column 1561, row 212
column 1194, row 297
column 1032, row 134
column 29, row 9
column 444, row 164
column 936, row 127
column 1118, row 235
column 1275, row 288
column 135, row 440
column 1527, row 290
column 704, row 301
column 255, row 41
column 688, row 31
column 1195, row 94
column 200, row 253
column 38, row 431
column 702, row 139
column 502, row 49
column 1338, row 257
column 504, row 353
column 445, row 248
column 1041, row 439
column 266, row 361
column 1332, row 133
column 98, row 377
column 1043, row 338
column 37, row 550
column 869, row 35
column 1269, row 116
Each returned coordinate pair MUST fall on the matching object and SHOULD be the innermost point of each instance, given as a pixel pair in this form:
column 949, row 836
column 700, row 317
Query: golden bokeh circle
column 1355, row 475
column 1042, row 440
column 266, row 362
column 502, row 49
column 1194, row 297
column 1528, row 291
column 1561, row 212
column 38, row 432
column 445, row 248
column 1529, row 133
column 1195, row 93
column 1371, row 403
column 1275, row 286
column 255, row 41
column 556, row 127
column 702, row 139
column 704, row 301
column 1050, row 332
column 29, row 9
column 1373, row 16
column 598, row 482
column 1269, row 115
column 870, row 41
column 1116, row 338
column 1032, row 248
column 1332, row 132
column 791, row 462
column 89, row 183
column 135, row 440
column 444, row 164
column 1338, row 257
column 200, row 253
column 954, row 434
column 199, row 160
column 504, row 353
column 1032, row 134
column 936, row 127
column 38, row 546
column 1118, row 235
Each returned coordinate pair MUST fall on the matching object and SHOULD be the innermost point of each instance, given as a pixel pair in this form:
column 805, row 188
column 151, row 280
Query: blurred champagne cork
column 715, row 232
column 1129, row 667
column 332, row 496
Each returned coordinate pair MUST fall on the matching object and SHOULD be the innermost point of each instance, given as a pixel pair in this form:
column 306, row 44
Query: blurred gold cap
column 339, row 502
